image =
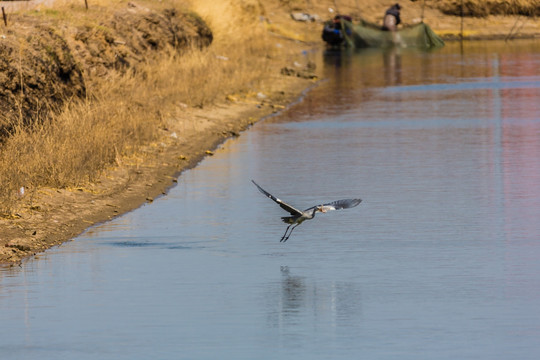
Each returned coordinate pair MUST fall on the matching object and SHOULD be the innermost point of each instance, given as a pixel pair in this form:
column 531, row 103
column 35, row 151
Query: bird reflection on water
column 298, row 297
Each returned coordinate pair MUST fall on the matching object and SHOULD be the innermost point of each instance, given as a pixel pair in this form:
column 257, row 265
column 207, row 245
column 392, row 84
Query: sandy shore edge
column 54, row 216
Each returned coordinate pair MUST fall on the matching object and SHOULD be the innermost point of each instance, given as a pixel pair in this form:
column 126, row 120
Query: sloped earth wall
column 44, row 65
column 484, row 8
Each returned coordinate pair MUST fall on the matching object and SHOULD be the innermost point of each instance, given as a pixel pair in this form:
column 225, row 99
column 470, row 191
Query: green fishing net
column 365, row 34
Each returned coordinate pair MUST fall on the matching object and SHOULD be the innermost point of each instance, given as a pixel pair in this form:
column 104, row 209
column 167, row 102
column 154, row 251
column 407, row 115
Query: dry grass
column 77, row 143
column 483, row 8
column 123, row 112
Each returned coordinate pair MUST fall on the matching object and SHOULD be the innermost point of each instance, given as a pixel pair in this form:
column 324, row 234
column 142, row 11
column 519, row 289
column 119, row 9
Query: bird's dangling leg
column 290, row 232
column 285, row 237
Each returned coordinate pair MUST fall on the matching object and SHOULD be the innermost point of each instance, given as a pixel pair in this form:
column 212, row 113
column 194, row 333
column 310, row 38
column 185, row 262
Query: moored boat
column 342, row 31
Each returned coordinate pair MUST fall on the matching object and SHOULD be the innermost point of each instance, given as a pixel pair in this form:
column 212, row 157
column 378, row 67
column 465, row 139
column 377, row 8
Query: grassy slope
column 123, row 111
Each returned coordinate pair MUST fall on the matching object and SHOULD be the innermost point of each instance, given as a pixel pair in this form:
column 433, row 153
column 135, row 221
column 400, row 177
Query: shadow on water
column 152, row 243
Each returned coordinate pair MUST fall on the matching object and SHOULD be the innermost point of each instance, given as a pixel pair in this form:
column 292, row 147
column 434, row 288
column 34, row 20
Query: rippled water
column 440, row 261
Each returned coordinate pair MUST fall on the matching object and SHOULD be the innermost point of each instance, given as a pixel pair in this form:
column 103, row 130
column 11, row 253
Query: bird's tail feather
column 288, row 219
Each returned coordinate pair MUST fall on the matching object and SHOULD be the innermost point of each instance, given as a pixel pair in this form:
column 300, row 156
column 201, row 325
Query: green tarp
column 364, row 34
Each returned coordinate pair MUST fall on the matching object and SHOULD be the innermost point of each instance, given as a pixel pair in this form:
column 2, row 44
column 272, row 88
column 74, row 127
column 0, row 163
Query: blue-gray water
column 440, row 261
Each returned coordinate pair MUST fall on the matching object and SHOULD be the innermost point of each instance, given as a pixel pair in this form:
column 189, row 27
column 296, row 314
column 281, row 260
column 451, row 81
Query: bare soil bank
column 53, row 216
column 50, row 216
column 46, row 60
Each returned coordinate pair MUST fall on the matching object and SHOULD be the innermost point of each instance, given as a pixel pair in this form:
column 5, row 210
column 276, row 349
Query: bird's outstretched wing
column 339, row 204
column 291, row 210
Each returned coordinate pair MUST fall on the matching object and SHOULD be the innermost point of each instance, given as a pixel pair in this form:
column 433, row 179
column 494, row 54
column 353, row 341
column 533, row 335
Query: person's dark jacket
column 394, row 11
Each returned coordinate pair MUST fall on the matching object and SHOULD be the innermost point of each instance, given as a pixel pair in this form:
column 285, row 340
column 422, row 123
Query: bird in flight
column 297, row 217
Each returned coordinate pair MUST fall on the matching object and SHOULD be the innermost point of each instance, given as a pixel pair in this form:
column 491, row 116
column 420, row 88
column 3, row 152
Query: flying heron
column 297, row 217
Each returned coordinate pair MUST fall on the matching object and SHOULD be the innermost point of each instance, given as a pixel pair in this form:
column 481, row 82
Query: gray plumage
column 297, row 216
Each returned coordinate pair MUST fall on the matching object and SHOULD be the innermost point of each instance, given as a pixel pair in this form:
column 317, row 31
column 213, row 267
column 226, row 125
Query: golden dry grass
column 123, row 112
column 483, row 8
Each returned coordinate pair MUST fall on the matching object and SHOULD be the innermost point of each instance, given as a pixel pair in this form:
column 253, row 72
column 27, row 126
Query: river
column 441, row 260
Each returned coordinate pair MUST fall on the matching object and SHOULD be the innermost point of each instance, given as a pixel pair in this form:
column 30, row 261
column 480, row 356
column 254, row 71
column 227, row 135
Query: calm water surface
column 440, row 261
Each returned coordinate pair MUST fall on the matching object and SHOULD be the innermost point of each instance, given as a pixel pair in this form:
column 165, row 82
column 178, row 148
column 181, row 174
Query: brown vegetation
column 46, row 54
column 483, row 8
column 38, row 73
column 111, row 112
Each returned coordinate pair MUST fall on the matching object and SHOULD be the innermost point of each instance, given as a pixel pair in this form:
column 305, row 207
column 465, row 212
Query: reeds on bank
column 123, row 111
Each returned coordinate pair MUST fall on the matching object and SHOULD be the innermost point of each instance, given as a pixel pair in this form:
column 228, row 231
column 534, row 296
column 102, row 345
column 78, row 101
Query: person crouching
column 392, row 18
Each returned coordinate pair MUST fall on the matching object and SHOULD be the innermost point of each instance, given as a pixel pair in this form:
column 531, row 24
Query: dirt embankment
column 44, row 64
column 61, row 61
column 484, row 8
